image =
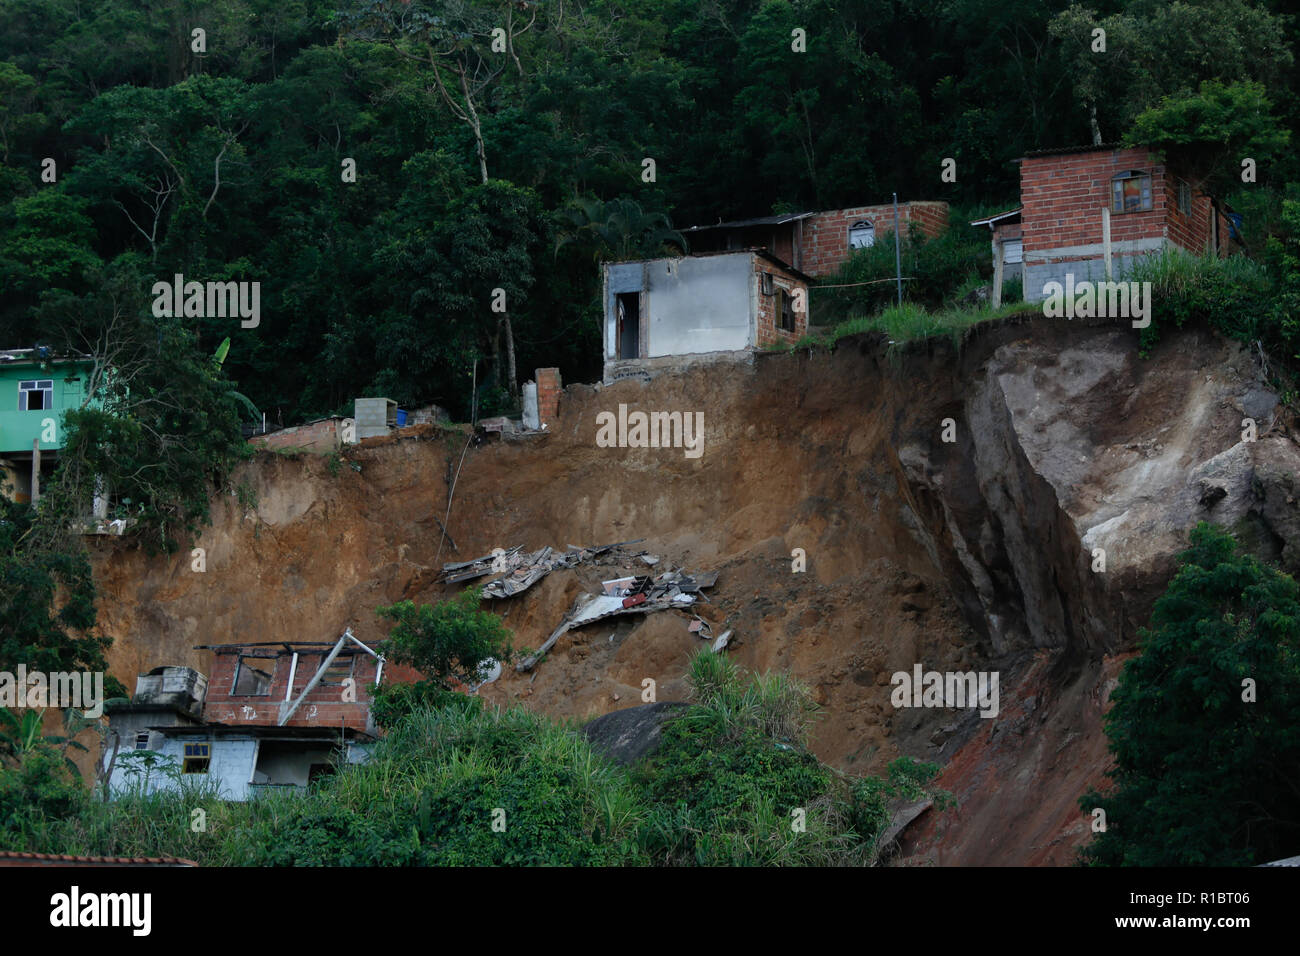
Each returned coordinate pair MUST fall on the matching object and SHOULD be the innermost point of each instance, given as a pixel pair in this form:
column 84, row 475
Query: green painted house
column 36, row 386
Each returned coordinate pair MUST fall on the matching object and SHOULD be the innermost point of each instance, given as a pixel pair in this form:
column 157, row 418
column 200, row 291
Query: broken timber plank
column 529, row 662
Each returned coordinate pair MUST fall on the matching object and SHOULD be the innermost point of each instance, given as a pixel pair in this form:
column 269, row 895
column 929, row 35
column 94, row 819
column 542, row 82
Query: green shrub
column 392, row 703
column 446, row 641
column 937, row 271
column 36, row 795
column 1203, row 777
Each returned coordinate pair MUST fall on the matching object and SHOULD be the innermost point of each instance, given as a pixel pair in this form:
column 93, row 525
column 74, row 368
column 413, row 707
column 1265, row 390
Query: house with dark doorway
column 274, row 716
column 818, row 243
column 662, row 313
column 1089, row 210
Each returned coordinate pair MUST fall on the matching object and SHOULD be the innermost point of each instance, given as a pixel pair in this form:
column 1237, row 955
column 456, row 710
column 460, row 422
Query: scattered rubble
column 628, row 594
column 522, row 569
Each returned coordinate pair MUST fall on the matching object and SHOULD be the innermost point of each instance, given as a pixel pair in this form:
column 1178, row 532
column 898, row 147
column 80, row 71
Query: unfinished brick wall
column 324, row 706
column 826, row 235
column 548, row 394
column 1194, row 231
column 768, row 330
column 1062, row 198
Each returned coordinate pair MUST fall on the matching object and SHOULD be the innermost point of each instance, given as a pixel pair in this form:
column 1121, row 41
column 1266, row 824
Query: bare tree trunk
column 105, row 780
column 512, row 383
column 1092, row 120
column 474, row 125
column 496, row 354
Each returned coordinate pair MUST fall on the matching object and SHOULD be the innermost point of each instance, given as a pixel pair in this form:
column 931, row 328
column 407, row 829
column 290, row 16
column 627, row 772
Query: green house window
column 36, row 395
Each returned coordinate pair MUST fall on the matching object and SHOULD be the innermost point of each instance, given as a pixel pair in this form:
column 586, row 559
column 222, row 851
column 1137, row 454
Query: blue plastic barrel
column 401, row 418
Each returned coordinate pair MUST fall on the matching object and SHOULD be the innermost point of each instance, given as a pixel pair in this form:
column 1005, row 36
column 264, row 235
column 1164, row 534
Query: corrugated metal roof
column 780, row 220
column 1065, row 150
column 19, row 356
column 997, row 217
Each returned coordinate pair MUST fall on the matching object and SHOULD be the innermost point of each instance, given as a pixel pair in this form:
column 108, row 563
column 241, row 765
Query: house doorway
column 629, row 325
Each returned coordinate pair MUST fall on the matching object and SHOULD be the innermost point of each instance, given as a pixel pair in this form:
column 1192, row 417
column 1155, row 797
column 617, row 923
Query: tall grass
column 733, row 784
column 1233, row 295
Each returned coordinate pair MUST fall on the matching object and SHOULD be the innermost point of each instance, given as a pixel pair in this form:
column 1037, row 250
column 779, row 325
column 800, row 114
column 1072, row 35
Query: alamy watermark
column 208, row 300
column 946, row 689
column 84, row 690
column 683, row 430
column 1086, row 299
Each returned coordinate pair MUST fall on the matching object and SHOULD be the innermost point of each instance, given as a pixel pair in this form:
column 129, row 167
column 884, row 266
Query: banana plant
column 218, row 360
column 22, row 735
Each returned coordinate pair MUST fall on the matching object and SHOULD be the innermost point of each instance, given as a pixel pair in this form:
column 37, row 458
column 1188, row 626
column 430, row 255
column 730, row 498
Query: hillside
column 970, row 555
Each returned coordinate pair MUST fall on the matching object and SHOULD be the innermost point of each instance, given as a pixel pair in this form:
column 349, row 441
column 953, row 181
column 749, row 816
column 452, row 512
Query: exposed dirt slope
column 966, row 555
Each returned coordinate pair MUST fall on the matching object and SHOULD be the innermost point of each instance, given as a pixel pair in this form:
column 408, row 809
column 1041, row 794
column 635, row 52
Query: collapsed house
column 274, row 715
column 519, row 570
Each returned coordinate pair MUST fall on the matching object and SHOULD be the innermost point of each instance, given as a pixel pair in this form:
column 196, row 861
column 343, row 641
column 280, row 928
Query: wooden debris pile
column 519, row 570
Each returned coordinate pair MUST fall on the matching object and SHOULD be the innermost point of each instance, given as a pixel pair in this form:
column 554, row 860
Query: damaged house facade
column 1087, row 208
column 720, row 305
column 272, row 716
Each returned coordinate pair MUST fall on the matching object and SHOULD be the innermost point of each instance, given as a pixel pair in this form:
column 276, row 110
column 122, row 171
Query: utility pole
column 898, row 254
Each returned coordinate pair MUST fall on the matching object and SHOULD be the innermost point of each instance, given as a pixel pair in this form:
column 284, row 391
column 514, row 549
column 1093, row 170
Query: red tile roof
column 10, row 858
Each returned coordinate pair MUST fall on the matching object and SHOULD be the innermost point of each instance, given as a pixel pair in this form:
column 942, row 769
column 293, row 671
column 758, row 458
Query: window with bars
column 340, row 669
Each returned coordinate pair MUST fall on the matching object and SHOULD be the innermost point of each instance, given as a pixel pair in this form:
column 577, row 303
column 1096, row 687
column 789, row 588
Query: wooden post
column 998, row 255
column 36, row 470
column 1105, row 238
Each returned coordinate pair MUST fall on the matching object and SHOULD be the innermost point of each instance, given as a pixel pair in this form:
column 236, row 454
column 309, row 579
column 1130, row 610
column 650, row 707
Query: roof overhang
column 779, row 220
column 321, row 734
column 42, row 356
column 992, row 221
column 749, row 251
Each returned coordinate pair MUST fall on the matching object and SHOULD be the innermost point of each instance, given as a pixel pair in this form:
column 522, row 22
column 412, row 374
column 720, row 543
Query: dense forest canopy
column 502, row 145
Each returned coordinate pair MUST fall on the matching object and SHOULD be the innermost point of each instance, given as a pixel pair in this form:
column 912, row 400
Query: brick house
column 272, row 715
column 818, row 243
column 723, row 305
column 1069, row 196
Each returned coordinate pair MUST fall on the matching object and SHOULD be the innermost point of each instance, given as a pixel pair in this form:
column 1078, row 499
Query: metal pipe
column 898, row 253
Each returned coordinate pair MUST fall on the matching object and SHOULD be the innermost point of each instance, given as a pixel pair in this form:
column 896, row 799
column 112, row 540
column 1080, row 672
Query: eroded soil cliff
column 975, row 554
